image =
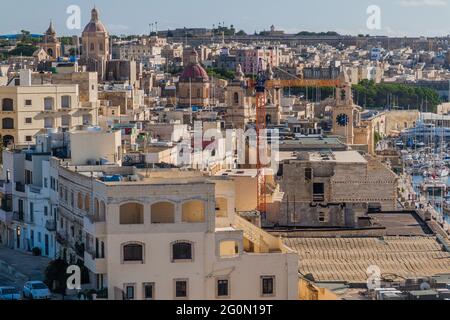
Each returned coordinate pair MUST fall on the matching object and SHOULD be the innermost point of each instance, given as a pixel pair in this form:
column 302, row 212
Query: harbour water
column 435, row 199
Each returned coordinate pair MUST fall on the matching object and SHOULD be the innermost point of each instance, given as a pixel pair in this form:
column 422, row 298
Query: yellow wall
column 309, row 291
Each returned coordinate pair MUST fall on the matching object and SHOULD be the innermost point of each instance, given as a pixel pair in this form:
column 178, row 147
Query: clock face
column 342, row 120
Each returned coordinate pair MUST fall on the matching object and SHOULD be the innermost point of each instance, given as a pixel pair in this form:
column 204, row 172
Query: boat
column 446, row 206
column 443, row 172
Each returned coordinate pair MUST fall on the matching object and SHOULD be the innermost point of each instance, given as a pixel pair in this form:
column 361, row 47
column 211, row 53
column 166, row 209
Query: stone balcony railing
column 94, row 226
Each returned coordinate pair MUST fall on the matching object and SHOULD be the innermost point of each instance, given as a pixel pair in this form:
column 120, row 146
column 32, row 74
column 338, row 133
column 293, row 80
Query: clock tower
column 346, row 115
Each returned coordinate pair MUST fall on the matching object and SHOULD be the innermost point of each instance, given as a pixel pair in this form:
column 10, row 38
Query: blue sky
column 398, row 17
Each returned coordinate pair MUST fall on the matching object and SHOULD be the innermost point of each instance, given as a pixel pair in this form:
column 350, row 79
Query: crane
column 261, row 84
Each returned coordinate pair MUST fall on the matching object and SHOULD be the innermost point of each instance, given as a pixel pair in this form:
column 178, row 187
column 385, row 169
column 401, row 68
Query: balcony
column 50, row 225
column 95, row 265
column 20, row 187
column 62, row 239
column 6, row 217
column 19, row 216
column 319, row 197
column 6, row 203
column 93, row 226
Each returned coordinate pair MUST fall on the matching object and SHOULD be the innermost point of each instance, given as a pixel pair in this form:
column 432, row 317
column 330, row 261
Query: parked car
column 9, row 293
column 36, row 290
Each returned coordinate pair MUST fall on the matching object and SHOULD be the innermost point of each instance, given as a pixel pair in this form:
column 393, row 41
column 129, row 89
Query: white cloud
column 423, row 3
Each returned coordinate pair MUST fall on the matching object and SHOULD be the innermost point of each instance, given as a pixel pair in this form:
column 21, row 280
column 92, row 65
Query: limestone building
column 333, row 189
column 194, row 85
column 240, row 102
column 347, row 122
column 96, row 45
column 51, row 44
column 167, row 234
column 26, row 109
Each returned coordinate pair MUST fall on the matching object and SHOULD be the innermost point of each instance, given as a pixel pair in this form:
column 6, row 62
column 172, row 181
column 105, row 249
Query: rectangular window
column 65, row 102
column 149, row 291
column 31, row 212
column 65, row 121
column 133, row 253
column 45, row 183
column 129, row 292
column 267, row 286
column 28, row 120
column 28, row 103
column 223, row 289
column 318, row 192
column 45, row 211
column 48, row 123
column 181, row 289
column 308, row 174
column 28, row 138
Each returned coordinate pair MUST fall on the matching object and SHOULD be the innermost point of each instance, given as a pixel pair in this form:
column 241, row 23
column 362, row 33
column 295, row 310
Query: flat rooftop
column 337, row 156
column 238, row 173
column 401, row 224
column 115, row 175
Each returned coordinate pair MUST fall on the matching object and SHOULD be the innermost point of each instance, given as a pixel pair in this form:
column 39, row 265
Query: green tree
column 220, row 73
column 370, row 95
column 23, row 49
column 56, row 276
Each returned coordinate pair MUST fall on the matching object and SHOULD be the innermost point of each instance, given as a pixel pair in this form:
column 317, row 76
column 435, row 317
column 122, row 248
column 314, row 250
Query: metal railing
column 19, row 216
column 20, row 187
column 50, row 225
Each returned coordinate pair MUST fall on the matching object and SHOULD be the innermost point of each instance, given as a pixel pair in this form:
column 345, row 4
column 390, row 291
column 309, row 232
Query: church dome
column 194, row 71
column 95, row 25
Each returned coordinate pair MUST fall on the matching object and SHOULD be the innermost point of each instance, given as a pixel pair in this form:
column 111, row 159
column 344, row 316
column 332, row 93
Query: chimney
column 25, row 77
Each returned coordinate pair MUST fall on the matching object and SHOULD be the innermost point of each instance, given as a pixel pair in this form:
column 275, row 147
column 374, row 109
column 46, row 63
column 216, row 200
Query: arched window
column 182, row 251
column 87, row 203
column 133, row 252
column 163, row 212
column 102, row 215
column 236, row 98
column 96, row 207
column 193, row 212
column 7, row 104
column 132, row 213
column 80, row 201
column 8, row 123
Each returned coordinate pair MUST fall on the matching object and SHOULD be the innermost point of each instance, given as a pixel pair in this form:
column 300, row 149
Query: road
column 18, row 267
